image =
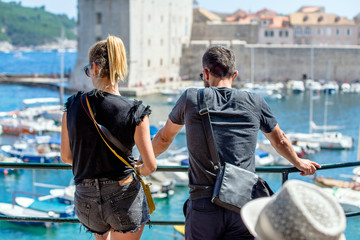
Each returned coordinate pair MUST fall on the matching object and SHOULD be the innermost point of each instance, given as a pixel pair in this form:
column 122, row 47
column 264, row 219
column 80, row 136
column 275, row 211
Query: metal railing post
column 284, row 177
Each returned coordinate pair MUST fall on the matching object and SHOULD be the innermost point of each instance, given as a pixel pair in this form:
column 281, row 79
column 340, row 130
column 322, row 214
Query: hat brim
column 250, row 213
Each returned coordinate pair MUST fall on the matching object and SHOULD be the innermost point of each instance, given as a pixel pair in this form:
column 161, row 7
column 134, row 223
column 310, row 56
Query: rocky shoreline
column 65, row 44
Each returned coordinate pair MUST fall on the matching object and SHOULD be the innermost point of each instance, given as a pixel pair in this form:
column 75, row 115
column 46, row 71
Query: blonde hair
column 111, row 55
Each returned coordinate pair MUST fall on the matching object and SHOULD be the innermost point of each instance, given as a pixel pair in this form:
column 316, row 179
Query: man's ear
column 235, row 74
column 206, row 74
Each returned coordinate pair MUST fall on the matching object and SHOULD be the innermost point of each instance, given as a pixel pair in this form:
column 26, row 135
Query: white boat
column 312, row 85
column 266, row 146
column 36, row 149
column 327, row 140
column 28, row 126
column 263, row 158
column 12, row 210
column 296, row 86
column 355, row 88
column 170, row 92
column 5, row 159
column 349, row 199
column 46, row 205
column 63, row 195
column 160, row 187
column 345, row 88
column 267, row 91
column 331, row 87
column 176, row 158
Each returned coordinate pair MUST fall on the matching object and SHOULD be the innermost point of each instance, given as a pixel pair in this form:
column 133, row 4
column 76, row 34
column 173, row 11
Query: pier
column 54, row 83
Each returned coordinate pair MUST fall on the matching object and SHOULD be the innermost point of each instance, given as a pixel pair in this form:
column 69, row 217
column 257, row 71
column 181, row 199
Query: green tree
column 23, row 26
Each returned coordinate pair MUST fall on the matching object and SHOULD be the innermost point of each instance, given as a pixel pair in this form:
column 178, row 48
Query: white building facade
column 153, row 32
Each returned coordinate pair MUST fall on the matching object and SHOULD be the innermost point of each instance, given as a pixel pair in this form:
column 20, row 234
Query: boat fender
column 51, row 214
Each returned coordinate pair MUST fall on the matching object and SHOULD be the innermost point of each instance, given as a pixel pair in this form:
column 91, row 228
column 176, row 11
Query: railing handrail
column 62, row 166
column 271, row 169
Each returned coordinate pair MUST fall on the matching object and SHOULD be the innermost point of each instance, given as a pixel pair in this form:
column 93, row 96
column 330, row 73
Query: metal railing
column 285, row 171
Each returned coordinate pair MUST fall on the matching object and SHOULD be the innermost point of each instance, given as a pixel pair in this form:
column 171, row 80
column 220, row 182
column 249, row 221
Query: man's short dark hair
column 220, row 61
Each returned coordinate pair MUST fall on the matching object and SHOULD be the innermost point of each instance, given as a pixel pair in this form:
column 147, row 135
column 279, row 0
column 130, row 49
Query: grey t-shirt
column 236, row 118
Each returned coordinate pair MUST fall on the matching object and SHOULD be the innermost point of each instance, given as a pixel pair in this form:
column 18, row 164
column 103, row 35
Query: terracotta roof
column 311, row 9
column 209, row 15
column 236, row 16
column 244, row 17
column 265, row 12
column 278, row 22
column 300, row 18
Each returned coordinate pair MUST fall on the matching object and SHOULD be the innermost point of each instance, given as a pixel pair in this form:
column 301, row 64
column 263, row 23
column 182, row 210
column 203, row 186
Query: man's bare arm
column 165, row 136
column 283, row 146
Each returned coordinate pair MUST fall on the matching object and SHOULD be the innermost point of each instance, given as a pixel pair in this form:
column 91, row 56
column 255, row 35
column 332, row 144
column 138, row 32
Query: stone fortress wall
column 279, row 62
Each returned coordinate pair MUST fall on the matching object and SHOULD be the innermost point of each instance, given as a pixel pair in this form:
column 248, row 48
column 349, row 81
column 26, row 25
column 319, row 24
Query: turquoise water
column 292, row 114
column 36, row 62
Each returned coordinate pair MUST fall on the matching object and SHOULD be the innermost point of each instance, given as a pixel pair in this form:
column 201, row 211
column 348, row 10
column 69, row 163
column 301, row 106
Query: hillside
column 23, row 26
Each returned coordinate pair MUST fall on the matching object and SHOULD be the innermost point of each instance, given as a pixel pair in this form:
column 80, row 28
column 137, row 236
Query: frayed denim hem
column 136, row 229
column 91, row 231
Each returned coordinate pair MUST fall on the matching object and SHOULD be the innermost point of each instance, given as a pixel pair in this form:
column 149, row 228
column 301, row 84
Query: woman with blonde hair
column 109, row 199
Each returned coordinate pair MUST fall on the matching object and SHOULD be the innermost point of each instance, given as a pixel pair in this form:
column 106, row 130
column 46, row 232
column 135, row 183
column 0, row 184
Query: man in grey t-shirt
column 236, row 118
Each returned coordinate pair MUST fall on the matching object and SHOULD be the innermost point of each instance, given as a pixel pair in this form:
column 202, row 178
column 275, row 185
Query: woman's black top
column 91, row 157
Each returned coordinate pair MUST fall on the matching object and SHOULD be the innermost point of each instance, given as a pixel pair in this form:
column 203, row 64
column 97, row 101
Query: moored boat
column 327, row 140
column 331, row 182
column 46, row 205
column 38, row 149
column 6, row 159
column 12, row 210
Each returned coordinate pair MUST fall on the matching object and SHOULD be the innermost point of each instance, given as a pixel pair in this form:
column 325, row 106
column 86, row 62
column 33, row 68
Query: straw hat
column 299, row 211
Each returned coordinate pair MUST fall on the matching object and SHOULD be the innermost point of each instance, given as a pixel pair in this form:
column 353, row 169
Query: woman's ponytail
column 117, row 59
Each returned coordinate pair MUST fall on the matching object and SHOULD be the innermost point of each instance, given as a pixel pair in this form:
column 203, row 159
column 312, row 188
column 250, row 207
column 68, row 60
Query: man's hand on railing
column 307, row 167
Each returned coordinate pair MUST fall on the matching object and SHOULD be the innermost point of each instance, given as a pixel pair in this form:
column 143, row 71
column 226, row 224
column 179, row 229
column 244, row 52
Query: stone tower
column 153, row 32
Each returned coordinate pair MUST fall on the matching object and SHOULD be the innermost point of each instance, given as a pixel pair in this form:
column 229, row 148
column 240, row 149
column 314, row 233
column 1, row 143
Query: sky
column 343, row 8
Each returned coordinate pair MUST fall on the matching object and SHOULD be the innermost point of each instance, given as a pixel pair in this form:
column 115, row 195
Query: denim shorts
column 101, row 204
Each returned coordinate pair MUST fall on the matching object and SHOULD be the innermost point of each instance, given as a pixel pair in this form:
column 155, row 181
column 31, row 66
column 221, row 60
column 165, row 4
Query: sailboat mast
column 62, row 68
column 358, row 150
column 252, row 66
column 311, row 90
column 326, row 109
column 311, row 111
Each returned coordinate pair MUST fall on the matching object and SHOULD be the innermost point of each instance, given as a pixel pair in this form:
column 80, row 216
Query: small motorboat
column 5, row 159
column 33, row 149
column 331, row 182
column 12, row 210
column 46, row 205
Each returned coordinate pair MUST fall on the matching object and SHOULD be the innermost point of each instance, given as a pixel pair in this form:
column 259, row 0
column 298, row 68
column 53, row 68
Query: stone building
column 313, row 26
column 153, row 33
column 275, row 30
column 210, row 26
column 357, row 21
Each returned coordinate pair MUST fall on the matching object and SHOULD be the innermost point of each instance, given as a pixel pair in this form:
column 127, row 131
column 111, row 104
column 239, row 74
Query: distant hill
column 23, row 26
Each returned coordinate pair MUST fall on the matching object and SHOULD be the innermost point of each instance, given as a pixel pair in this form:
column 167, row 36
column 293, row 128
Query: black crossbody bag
column 234, row 186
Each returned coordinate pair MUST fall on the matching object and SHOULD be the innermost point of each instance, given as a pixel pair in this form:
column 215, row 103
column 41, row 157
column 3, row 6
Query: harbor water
column 292, row 114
